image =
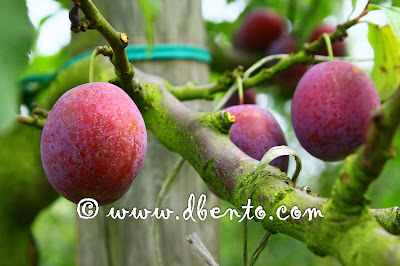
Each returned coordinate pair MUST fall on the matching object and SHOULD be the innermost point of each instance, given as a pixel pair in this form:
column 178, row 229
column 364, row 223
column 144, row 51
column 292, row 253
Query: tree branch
column 33, row 121
column 118, row 41
column 228, row 171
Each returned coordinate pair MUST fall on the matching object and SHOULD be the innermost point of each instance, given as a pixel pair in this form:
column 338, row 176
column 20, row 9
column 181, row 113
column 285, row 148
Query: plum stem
column 91, row 65
column 328, row 45
column 240, row 89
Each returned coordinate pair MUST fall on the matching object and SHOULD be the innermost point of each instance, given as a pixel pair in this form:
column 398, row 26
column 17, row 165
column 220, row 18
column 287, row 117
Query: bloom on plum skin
column 93, row 143
column 331, row 109
column 255, row 131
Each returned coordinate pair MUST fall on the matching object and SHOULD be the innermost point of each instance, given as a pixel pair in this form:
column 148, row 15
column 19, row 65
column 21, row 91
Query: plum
column 93, row 143
column 249, row 97
column 331, row 109
column 255, row 131
column 258, row 30
column 287, row 78
column 338, row 47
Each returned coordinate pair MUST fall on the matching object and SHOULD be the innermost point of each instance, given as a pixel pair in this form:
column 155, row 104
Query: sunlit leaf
column 16, row 39
column 386, row 71
column 393, row 16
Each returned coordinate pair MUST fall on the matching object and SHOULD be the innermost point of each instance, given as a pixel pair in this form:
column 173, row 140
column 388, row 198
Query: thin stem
column 328, row 45
column 163, row 192
column 246, row 75
column 118, row 41
column 240, row 89
column 260, row 247
column 32, row 121
column 91, row 65
column 245, row 242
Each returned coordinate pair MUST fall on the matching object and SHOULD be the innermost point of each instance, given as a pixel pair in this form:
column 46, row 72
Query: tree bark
column 103, row 241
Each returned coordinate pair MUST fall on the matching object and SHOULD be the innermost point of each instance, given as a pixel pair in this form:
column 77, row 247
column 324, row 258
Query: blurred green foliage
column 15, row 43
column 55, row 234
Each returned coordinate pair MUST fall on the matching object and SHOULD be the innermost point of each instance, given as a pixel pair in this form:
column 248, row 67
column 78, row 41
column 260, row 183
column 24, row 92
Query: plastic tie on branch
column 137, row 53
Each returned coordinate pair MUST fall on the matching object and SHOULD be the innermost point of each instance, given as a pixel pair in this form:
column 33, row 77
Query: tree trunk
column 104, row 241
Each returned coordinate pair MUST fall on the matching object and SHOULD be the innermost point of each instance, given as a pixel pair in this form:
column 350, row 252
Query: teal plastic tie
column 138, row 53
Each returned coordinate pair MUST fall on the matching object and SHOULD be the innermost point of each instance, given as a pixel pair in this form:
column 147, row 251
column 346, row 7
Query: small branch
column 197, row 245
column 362, row 168
column 43, row 113
column 304, row 56
column 118, row 42
column 389, row 219
column 191, row 91
column 86, row 24
column 33, row 121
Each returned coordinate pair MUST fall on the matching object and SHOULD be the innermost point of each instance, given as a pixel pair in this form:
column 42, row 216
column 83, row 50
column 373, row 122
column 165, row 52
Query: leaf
column 16, row 39
column 393, row 16
column 150, row 10
column 386, row 71
column 396, row 3
column 47, row 64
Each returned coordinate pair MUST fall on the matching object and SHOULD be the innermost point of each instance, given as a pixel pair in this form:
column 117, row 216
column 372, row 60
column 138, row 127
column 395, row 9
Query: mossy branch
column 228, row 171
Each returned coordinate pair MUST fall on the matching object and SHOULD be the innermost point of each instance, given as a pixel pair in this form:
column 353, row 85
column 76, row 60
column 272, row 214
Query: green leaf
column 393, row 16
column 386, row 71
column 16, row 39
column 396, row 3
column 47, row 64
column 150, row 10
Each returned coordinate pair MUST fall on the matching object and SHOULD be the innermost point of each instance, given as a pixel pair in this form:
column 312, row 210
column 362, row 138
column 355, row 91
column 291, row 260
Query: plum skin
column 338, row 47
column 258, row 30
column 289, row 77
column 255, row 131
column 93, row 143
column 331, row 109
column 249, row 97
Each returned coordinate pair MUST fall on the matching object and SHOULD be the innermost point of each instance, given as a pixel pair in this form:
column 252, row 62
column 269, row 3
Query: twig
column 33, row 121
column 118, row 41
column 197, row 245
